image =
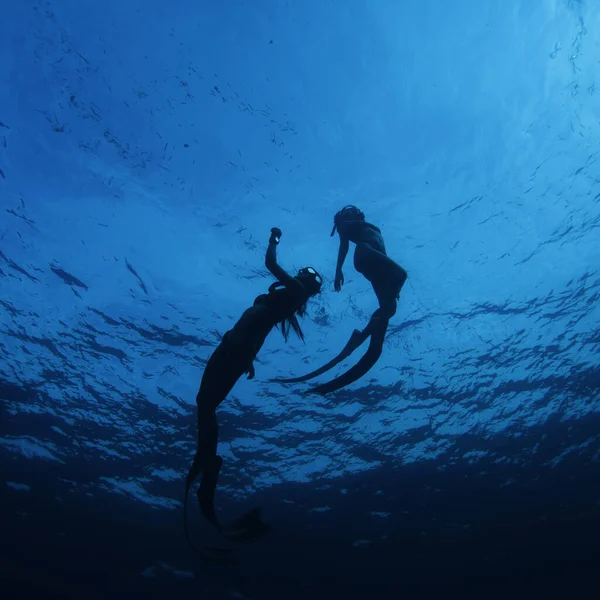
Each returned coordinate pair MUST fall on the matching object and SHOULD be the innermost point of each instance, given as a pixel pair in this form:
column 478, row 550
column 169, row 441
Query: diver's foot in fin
column 356, row 339
column 247, row 529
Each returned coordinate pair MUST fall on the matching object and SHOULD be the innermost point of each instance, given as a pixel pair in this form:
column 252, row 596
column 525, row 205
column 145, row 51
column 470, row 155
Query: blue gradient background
column 147, row 148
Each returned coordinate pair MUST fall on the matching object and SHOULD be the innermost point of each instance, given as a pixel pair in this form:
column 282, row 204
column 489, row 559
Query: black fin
column 244, row 530
column 212, row 554
column 364, row 365
column 247, row 529
column 356, row 340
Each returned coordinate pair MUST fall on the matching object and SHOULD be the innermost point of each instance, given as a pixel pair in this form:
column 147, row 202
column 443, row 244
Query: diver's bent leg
column 207, row 448
column 388, row 293
column 375, row 265
column 208, row 438
column 208, row 433
column 206, row 491
column 389, row 305
column 386, row 276
column 399, row 282
column 220, row 375
column 207, row 462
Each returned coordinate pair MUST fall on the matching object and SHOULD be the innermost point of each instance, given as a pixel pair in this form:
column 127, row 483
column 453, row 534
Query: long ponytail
column 291, row 321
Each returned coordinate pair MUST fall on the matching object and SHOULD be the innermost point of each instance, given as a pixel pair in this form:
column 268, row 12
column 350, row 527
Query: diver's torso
column 257, row 321
column 361, row 232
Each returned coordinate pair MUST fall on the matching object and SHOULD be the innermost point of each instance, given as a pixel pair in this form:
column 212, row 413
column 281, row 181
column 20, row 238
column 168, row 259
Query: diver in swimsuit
column 234, row 357
column 387, row 279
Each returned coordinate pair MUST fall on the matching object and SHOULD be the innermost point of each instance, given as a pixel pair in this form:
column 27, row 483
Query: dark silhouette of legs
column 387, row 279
column 226, row 365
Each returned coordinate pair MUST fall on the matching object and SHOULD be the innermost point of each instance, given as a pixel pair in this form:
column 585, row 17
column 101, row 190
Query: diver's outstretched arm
column 342, row 253
column 271, row 261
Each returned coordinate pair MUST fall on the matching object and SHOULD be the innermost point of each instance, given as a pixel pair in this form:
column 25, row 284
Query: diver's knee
column 402, row 277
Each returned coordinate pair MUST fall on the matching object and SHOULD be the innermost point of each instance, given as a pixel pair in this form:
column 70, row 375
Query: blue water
column 147, row 148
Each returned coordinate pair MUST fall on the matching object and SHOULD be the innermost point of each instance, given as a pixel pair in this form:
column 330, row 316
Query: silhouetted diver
column 234, row 357
column 387, row 279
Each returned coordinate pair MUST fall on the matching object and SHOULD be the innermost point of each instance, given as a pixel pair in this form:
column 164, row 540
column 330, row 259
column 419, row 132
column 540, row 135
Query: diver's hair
column 292, row 320
column 349, row 211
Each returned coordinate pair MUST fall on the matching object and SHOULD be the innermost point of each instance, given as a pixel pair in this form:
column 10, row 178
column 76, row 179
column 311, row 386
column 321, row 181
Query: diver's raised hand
column 339, row 281
column 275, row 235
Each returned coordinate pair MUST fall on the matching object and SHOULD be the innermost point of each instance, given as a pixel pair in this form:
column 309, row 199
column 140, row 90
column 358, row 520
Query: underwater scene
column 299, row 299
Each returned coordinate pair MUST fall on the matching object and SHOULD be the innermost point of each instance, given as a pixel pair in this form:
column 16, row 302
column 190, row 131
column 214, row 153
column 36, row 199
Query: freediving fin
column 356, row 340
column 247, row 529
column 209, row 553
column 363, row 366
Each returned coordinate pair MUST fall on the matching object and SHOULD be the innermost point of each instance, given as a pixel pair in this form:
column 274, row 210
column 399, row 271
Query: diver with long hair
column 234, row 357
column 387, row 279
